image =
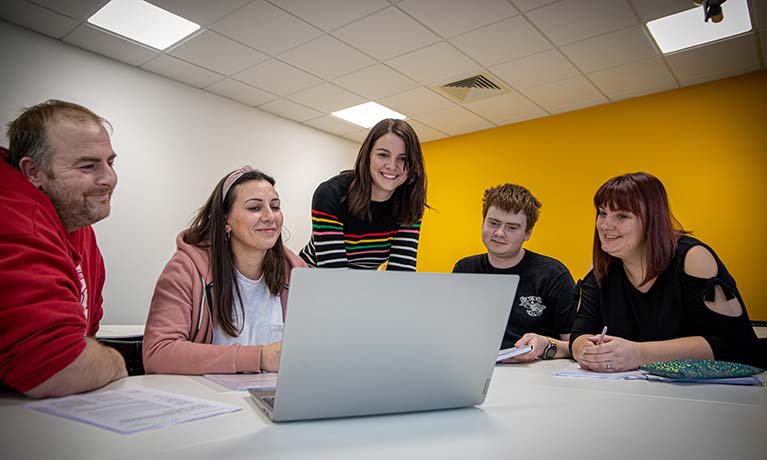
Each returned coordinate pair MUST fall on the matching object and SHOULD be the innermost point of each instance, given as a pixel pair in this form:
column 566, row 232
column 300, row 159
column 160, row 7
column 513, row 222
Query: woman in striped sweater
column 371, row 215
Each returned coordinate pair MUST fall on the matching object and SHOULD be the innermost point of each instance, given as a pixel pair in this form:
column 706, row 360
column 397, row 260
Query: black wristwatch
column 551, row 349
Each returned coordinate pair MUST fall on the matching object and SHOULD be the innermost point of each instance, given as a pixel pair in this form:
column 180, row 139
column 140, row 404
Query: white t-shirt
column 263, row 315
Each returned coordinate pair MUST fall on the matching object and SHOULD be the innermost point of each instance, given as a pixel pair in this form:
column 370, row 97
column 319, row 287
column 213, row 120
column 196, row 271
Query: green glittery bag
column 700, row 369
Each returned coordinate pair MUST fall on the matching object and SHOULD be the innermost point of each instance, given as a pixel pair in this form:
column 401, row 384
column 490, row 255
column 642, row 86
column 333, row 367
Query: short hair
column 512, row 198
column 410, row 197
column 645, row 196
column 28, row 133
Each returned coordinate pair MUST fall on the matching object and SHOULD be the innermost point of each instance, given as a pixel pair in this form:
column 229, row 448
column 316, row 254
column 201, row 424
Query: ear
column 31, row 170
column 227, row 227
column 528, row 234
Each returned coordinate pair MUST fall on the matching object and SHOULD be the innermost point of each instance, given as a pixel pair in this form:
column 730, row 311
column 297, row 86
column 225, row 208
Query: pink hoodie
column 179, row 328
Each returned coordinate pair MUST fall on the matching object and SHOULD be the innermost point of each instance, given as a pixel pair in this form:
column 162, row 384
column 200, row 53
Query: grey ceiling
column 302, row 59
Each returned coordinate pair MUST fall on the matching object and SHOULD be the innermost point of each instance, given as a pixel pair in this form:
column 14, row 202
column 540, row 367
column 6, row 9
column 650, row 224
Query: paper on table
column 240, row 382
column 574, row 370
column 133, row 410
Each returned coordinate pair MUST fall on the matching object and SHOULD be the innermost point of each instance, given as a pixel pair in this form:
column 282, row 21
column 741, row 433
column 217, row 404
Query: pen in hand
column 602, row 335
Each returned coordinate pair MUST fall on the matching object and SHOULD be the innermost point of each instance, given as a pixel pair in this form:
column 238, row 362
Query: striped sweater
column 341, row 240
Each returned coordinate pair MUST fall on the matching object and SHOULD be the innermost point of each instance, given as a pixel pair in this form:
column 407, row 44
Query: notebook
column 367, row 342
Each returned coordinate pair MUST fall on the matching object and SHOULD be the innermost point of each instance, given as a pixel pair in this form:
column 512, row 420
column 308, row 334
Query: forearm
column 670, row 350
column 96, row 366
column 179, row 356
column 563, row 346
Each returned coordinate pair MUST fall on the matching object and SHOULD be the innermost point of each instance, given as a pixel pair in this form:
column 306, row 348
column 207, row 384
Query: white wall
column 174, row 143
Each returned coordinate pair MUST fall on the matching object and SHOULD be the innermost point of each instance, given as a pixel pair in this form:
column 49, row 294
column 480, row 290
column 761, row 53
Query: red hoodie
column 50, row 284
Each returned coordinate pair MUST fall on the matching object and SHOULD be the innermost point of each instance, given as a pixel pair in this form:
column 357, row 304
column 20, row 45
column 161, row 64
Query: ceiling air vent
column 473, row 88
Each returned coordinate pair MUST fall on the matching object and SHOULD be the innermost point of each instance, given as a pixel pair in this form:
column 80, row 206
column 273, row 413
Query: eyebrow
column 88, row 158
column 261, row 201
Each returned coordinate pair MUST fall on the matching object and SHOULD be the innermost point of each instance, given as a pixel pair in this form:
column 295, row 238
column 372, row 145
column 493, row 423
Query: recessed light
column 687, row 29
column 367, row 114
column 143, row 22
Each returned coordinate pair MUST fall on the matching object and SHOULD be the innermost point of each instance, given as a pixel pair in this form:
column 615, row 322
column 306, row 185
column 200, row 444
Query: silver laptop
column 369, row 342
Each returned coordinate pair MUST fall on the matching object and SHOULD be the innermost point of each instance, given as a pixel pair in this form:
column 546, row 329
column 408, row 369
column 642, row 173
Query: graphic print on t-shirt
column 533, row 305
column 83, row 291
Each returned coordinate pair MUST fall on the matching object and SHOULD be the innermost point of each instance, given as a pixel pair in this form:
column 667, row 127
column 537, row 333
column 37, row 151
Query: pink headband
column 232, row 178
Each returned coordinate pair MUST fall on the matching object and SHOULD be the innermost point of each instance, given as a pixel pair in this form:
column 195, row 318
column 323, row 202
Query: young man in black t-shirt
column 545, row 304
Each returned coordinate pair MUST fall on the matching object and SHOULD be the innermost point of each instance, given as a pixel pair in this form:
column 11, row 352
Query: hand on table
column 614, row 354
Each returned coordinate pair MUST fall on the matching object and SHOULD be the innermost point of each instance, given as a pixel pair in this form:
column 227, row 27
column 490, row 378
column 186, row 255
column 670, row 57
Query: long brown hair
column 645, row 196
column 410, row 197
column 208, row 231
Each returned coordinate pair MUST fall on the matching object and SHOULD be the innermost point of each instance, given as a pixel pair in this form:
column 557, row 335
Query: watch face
column 550, row 351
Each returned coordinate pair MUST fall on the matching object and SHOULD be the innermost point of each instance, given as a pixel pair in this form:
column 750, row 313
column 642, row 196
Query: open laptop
column 367, row 342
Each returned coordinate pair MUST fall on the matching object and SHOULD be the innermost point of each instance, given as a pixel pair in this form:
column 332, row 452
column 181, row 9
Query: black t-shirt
column 673, row 307
column 545, row 300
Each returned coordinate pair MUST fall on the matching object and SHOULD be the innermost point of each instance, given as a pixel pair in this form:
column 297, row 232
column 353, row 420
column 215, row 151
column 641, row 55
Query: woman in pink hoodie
column 219, row 304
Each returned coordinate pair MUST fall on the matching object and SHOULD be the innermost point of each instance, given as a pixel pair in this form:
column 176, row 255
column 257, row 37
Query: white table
column 529, row 414
column 120, row 331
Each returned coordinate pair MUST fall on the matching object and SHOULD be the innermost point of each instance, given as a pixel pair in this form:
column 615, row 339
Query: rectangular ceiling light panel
column 367, row 114
column 143, row 22
column 687, row 29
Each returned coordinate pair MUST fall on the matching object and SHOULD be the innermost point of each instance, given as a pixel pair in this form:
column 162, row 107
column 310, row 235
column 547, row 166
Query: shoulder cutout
column 700, row 263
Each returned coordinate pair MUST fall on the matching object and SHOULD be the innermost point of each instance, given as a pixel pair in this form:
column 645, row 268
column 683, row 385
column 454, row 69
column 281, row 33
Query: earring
column 228, row 234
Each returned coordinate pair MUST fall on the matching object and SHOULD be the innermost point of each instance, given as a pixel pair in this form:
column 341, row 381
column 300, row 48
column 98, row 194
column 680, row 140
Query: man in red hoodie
column 56, row 180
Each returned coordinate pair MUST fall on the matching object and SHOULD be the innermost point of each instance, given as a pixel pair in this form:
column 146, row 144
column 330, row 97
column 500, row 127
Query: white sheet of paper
column 133, row 410
column 241, row 382
column 574, row 370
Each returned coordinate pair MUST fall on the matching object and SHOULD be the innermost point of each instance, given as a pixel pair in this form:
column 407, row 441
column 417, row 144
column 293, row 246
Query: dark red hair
column 645, row 196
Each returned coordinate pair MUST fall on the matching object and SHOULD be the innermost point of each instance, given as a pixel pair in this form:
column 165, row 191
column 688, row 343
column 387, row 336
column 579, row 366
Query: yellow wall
column 707, row 143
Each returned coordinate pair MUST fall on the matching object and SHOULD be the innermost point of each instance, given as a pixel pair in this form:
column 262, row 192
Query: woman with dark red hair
column 662, row 294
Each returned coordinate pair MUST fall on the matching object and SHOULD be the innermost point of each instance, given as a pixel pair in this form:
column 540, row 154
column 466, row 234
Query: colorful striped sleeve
column 404, row 248
column 326, row 247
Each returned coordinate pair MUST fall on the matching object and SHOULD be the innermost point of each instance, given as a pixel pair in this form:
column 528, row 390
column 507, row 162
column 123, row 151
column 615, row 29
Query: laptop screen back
column 367, row 342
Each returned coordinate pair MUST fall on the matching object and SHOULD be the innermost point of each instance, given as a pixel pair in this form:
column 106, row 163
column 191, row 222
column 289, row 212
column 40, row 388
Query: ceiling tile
column 376, row 82
column 266, row 28
column 434, row 63
column 609, row 50
column 452, row 17
column 572, row 20
column 218, row 53
column 654, row 9
column 357, row 136
column 202, row 12
column 31, row 16
column 425, row 133
column 634, row 79
column 538, row 69
column 503, row 41
column 327, row 57
column 565, row 95
column 331, row 14
column 326, row 98
column 76, row 9
column 454, row 121
column 332, row 125
column 289, row 110
column 181, row 71
column 722, row 59
column 104, row 43
column 527, row 5
column 402, row 33
column 240, row 92
column 507, row 108
column 277, row 77
column 417, row 101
